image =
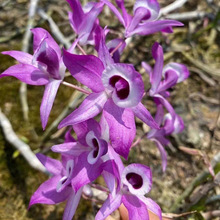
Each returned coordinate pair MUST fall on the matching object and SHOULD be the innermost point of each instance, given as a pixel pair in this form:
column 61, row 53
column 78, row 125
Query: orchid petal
column 87, row 69
column 52, row 165
column 39, row 35
column 109, row 206
column 77, row 16
column 27, row 74
column 180, row 69
column 48, row 100
column 90, row 107
column 153, row 27
column 142, row 113
column 122, row 128
column 152, row 206
column 47, row 56
column 69, row 137
column 88, row 22
column 71, row 148
column 157, row 52
column 127, row 18
column 47, row 193
column 104, row 54
column 162, row 153
column 136, row 208
column 148, row 69
column 85, row 172
column 152, row 7
column 71, row 205
column 81, row 130
column 115, row 11
column 20, row 56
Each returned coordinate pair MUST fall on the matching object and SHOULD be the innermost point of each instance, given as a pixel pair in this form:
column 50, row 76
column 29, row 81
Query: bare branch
column 54, row 29
column 25, row 48
column 22, row 147
column 172, row 7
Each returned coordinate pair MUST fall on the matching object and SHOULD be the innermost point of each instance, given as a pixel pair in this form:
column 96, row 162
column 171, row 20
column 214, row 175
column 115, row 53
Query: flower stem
column 81, row 49
column 76, row 87
column 116, row 48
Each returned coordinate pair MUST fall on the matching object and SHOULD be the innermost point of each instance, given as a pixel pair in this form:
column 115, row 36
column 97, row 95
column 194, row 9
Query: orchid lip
column 135, row 180
column 98, row 147
column 121, row 86
column 65, row 180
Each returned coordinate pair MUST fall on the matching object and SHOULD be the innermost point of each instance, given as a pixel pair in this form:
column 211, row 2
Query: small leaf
column 15, row 154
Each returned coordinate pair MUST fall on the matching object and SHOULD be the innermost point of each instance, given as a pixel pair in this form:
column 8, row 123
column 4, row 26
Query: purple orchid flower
column 84, row 19
column 89, row 141
column 135, row 181
column 172, row 73
column 144, row 19
column 45, row 67
column 58, row 188
column 169, row 125
column 117, row 90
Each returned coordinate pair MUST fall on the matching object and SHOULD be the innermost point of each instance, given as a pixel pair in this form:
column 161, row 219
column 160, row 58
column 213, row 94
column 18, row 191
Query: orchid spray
column 114, row 93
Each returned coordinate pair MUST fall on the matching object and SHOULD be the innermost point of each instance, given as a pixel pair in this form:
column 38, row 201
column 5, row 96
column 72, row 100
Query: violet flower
column 84, row 19
column 89, row 141
column 144, row 19
column 117, row 90
column 45, row 67
column 135, row 181
column 172, row 74
column 169, row 126
column 58, row 188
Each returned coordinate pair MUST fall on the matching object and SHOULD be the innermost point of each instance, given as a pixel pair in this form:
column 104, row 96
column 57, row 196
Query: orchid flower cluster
column 114, row 93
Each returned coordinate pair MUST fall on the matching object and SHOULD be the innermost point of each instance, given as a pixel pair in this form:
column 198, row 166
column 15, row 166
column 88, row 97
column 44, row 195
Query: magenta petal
column 104, row 54
column 47, row 56
column 122, row 127
column 157, row 52
column 47, row 194
column 27, row 74
column 85, row 172
column 152, row 206
column 52, row 165
column 77, row 16
column 87, row 69
column 152, row 6
column 127, row 18
column 162, row 153
column 136, row 208
column 39, row 35
column 71, row 205
column 48, row 100
column 142, row 113
column 71, row 149
column 153, row 27
column 110, row 205
column 88, row 22
column 90, row 107
column 20, row 56
column 181, row 71
column 81, row 129
column 115, row 11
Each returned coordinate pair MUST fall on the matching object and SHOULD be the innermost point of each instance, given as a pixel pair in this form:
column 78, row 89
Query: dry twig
column 23, row 148
column 25, row 48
